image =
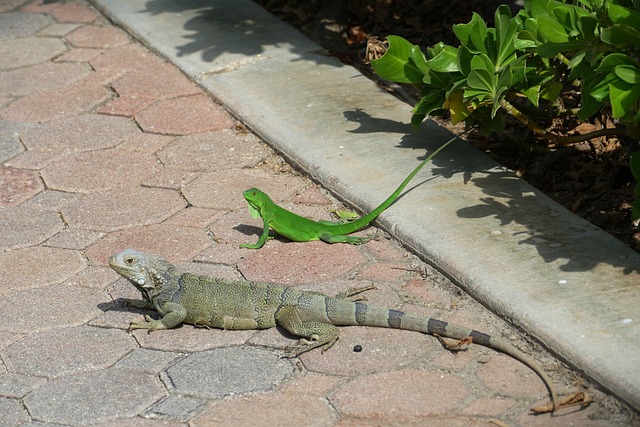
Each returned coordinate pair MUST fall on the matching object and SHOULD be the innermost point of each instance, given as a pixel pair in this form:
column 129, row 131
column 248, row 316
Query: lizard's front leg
column 316, row 334
column 174, row 314
column 263, row 237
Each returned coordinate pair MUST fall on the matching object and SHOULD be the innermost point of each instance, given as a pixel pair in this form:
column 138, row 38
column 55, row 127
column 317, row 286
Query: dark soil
column 592, row 179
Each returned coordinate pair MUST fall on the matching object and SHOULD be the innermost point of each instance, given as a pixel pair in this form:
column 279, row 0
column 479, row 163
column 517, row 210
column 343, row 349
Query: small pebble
column 357, row 348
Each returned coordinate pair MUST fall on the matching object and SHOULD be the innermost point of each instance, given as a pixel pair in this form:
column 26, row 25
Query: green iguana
column 211, row 302
column 301, row 229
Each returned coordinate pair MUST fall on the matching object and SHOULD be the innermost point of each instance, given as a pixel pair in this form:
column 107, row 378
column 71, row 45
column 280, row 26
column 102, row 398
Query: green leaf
column 620, row 35
column 622, row 15
column 628, row 73
column 600, row 89
column 396, row 64
column 623, row 96
column 464, row 32
column 551, row 30
column 506, row 29
column 613, row 60
column 446, row 61
column 549, row 50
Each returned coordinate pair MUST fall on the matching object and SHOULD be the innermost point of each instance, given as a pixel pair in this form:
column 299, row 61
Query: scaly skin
column 301, row 229
column 218, row 303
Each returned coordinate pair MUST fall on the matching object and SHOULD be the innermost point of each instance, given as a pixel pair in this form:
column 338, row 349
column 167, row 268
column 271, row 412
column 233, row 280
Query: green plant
column 527, row 65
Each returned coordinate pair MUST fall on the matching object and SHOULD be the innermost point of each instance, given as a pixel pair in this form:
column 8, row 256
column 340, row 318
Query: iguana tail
column 348, row 313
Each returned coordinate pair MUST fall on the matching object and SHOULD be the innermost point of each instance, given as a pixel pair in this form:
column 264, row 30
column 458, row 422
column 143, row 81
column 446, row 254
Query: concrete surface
column 105, row 145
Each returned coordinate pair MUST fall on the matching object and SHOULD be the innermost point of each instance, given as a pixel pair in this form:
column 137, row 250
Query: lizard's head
column 256, row 200
column 136, row 266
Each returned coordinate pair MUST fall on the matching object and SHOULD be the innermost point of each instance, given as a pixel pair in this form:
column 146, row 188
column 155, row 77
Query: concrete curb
column 566, row 282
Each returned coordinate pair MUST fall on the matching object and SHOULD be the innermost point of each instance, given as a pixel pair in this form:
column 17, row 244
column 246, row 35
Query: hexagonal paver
column 100, row 170
column 50, row 307
column 21, row 227
column 287, row 263
column 73, row 12
column 28, row 51
column 213, row 151
column 119, row 209
column 41, row 77
column 158, row 81
column 38, row 266
column 15, row 25
column 63, row 351
column 80, row 133
column 12, row 413
column 93, row 397
column 234, row 370
column 184, row 116
column 97, row 37
column 17, row 185
column 10, row 133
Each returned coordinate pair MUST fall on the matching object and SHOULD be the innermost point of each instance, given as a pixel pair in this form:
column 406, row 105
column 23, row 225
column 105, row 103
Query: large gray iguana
column 211, row 302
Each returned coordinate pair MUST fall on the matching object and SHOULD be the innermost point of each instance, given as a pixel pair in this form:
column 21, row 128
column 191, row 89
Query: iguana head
column 256, row 200
column 143, row 270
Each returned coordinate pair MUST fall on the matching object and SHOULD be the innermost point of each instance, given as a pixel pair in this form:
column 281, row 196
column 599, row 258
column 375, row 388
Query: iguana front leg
column 174, row 314
column 263, row 237
column 316, row 334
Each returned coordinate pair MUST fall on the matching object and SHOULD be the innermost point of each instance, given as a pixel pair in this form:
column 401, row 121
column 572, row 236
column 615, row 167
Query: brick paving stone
column 9, row 5
column 51, row 200
column 97, row 278
column 195, row 217
column 12, row 413
column 10, row 144
column 180, row 243
column 41, row 77
column 286, row 264
column 228, row 371
column 157, row 81
column 128, row 58
column 17, row 385
column 57, row 30
column 188, row 338
column 223, row 189
column 184, row 116
column 268, row 410
column 17, row 25
column 141, row 422
column 176, row 407
column 385, row 271
column 126, row 106
column 213, row 151
column 74, row 239
column 73, row 12
column 99, row 170
column 506, row 375
column 487, row 407
column 80, row 133
column 93, row 397
column 28, row 51
column 34, row 160
column 48, row 308
column 75, row 99
column 17, row 185
column 382, row 351
column 116, row 209
column 21, row 227
column 150, row 361
column 416, row 395
column 38, row 266
column 79, row 55
column 60, row 352
column 97, row 37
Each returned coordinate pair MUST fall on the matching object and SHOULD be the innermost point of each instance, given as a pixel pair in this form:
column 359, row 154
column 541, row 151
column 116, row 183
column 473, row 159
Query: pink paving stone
column 508, row 376
column 268, row 410
column 213, row 151
column 145, row 142
column 78, row 98
column 99, row 170
column 33, row 159
column 73, row 238
column 21, row 227
column 159, row 80
column 73, row 12
column 80, row 133
column 40, row 6
column 97, row 37
column 41, row 77
column 289, row 264
column 385, row 271
column 116, row 209
column 179, row 243
column 126, row 106
column 79, row 55
column 132, row 57
column 17, row 185
column 184, row 116
column 401, row 396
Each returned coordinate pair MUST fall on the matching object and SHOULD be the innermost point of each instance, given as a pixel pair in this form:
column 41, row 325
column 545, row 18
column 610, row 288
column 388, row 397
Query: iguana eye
column 129, row 260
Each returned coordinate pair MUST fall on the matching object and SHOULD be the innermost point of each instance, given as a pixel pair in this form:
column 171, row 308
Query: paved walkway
column 104, row 146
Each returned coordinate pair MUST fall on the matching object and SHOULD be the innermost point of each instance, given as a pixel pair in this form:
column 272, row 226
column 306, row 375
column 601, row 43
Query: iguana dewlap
column 207, row 301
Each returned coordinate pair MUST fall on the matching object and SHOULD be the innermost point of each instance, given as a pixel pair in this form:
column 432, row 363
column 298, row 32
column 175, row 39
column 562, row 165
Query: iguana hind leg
column 315, row 334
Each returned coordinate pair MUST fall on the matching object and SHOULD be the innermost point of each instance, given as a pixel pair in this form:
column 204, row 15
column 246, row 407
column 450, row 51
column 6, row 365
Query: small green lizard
column 301, row 229
column 239, row 305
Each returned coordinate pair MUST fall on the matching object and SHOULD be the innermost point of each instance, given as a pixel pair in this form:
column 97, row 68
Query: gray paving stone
column 15, row 25
column 38, row 266
column 228, row 371
column 147, row 360
column 50, row 199
column 93, row 397
column 41, row 77
column 51, row 307
column 213, row 151
column 17, row 385
column 10, row 144
column 28, row 51
column 11, row 412
column 116, row 209
column 64, row 351
column 21, row 227
column 9, row 5
column 176, row 407
column 80, row 133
